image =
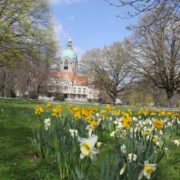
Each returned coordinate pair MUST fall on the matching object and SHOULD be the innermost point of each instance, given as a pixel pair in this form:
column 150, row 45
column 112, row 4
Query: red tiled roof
column 78, row 80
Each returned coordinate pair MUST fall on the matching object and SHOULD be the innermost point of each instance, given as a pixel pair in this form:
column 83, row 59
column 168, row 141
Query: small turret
column 69, row 44
column 69, row 61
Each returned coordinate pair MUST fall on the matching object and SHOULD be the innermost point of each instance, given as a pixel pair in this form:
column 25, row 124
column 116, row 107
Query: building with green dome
column 66, row 82
column 69, row 59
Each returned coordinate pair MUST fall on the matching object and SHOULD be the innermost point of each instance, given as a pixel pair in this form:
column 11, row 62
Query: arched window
column 66, row 64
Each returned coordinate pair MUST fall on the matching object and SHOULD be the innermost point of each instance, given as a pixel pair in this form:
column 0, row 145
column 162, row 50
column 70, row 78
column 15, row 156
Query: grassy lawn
column 17, row 158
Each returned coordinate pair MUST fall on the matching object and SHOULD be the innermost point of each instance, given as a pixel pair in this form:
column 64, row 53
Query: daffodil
column 155, row 139
column 113, row 134
column 148, row 170
column 87, row 147
column 108, row 106
column 38, row 110
column 123, row 148
column 98, row 144
column 132, row 157
column 56, row 111
column 93, row 123
column 122, row 170
column 158, row 124
column 73, row 132
column 90, row 129
column 47, row 123
column 147, row 131
column 126, row 120
column 177, row 142
column 48, row 106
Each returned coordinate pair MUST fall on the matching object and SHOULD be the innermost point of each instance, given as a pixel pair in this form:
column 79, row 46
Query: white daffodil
column 135, row 118
column 97, row 115
column 177, row 142
column 147, row 132
column 169, row 124
column 90, row 129
column 99, row 144
column 122, row 170
column 116, row 121
column 73, row 132
column 123, row 148
column 113, row 134
column 47, row 123
column 132, row 157
column 98, row 121
column 87, row 147
column 148, row 170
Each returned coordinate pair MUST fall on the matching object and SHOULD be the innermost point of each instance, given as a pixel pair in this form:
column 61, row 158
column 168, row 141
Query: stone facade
column 67, row 82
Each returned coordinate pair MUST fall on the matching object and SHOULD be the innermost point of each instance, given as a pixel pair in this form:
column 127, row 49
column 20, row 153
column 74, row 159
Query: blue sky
column 89, row 23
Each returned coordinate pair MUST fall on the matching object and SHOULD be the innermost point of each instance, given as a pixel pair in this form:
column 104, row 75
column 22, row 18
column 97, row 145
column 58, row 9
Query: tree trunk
column 114, row 99
column 170, row 95
column 38, row 90
column 4, row 84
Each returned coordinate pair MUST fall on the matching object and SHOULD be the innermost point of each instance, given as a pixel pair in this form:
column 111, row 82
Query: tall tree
column 139, row 7
column 25, row 34
column 158, row 53
column 110, row 69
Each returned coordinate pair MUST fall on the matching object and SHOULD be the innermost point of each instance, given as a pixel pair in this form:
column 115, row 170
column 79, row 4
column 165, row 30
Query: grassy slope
column 17, row 160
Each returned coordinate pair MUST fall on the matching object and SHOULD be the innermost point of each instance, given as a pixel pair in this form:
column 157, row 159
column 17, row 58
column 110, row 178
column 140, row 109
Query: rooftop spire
column 69, row 44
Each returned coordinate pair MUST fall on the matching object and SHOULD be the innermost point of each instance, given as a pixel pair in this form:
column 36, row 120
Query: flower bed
column 90, row 143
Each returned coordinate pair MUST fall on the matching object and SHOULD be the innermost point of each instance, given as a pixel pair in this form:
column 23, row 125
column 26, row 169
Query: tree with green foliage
column 26, row 35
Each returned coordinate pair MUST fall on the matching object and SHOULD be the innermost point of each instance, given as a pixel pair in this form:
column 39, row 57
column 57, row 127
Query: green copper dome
column 69, row 53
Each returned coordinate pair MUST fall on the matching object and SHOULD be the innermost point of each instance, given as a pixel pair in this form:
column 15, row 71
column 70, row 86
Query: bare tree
column 110, row 69
column 139, row 7
column 158, row 53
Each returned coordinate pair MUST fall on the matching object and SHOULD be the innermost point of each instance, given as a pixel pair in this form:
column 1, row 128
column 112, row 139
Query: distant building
column 67, row 82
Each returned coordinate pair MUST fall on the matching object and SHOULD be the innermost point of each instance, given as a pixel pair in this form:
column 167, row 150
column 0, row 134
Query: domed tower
column 69, row 61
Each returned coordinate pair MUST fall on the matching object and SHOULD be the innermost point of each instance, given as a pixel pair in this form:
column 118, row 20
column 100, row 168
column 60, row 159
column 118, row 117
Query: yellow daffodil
column 56, row 111
column 158, row 124
column 93, row 123
column 155, row 139
column 38, row 110
column 108, row 106
column 48, row 106
column 126, row 120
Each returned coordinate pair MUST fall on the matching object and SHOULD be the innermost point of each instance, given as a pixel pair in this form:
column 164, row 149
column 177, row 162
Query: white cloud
column 66, row 1
column 59, row 30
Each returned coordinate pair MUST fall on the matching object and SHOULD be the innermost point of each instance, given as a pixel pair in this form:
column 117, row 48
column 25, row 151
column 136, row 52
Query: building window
column 79, row 90
column 84, row 90
column 66, row 64
column 74, row 90
column 65, row 88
